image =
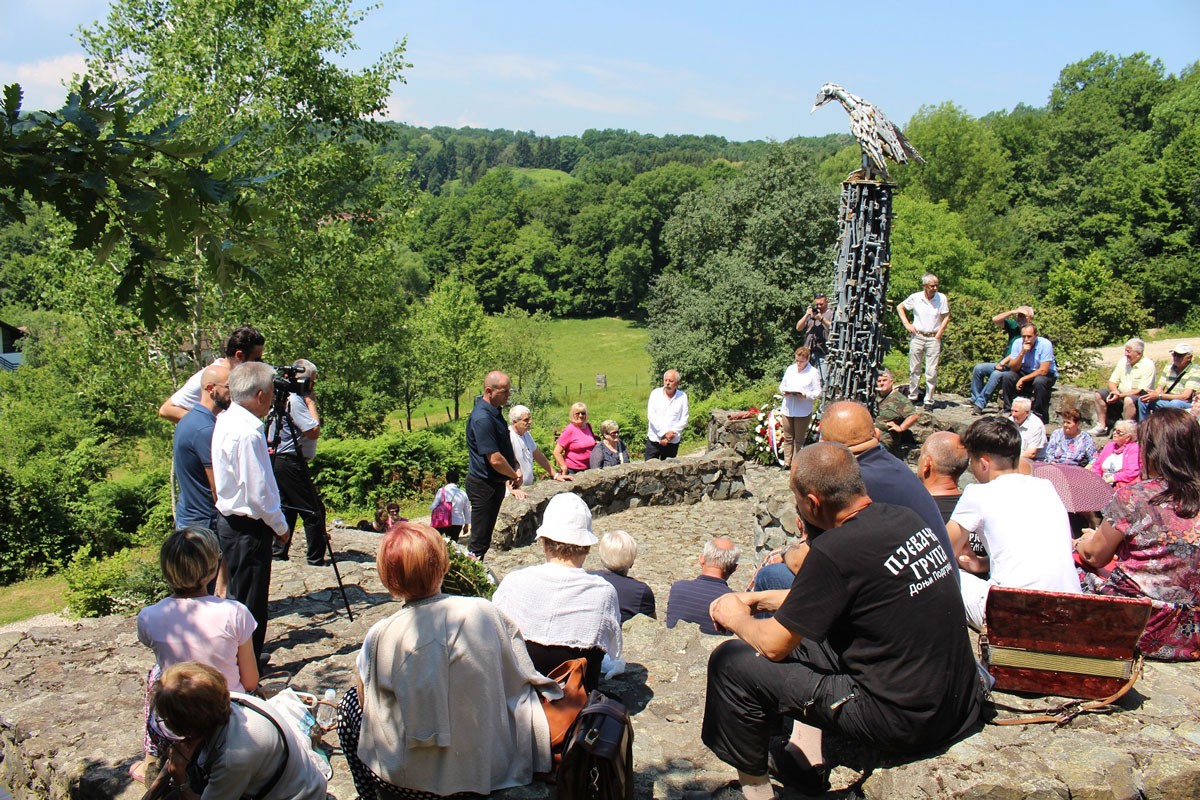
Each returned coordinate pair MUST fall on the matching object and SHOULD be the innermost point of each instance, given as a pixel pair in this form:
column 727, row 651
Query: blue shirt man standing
column 192, row 451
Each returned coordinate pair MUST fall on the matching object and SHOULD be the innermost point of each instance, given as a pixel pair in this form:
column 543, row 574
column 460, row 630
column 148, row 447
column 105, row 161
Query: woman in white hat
column 562, row 611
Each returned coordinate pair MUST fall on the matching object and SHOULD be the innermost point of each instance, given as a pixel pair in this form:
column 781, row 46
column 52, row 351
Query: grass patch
column 578, row 350
column 542, row 177
column 31, row 598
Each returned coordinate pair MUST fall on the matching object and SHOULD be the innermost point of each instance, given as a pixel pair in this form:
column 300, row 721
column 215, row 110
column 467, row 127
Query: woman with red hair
column 447, row 698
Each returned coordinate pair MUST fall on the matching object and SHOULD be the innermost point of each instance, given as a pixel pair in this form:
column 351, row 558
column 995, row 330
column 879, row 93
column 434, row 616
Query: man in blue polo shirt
column 192, row 450
column 1035, row 373
column 492, row 463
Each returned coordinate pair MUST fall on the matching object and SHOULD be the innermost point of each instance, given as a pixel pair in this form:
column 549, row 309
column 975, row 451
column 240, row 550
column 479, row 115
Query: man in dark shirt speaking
column 870, row 641
column 492, row 463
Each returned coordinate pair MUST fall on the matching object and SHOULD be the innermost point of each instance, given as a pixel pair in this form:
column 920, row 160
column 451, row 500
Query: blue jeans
column 1145, row 408
column 981, row 393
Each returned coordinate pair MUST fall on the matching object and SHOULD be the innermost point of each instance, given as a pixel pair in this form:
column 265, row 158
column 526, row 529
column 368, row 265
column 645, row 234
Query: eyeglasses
column 613, row 433
column 581, row 414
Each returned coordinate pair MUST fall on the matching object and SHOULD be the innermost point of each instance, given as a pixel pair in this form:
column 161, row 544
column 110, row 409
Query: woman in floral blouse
column 1069, row 444
column 1153, row 529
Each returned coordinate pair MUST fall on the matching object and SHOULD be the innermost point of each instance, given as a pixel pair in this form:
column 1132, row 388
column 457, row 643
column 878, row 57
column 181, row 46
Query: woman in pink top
column 573, row 450
column 192, row 625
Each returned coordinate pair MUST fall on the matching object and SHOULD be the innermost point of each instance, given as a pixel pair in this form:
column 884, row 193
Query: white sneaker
column 1099, row 430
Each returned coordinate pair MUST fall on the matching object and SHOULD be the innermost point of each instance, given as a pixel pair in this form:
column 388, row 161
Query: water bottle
column 327, row 711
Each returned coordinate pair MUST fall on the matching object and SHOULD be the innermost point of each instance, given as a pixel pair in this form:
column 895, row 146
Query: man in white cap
column 563, row 611
column 1177, row 386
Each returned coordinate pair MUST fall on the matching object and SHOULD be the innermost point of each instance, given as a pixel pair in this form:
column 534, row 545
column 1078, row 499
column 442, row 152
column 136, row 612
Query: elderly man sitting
column 1034, row 371
column 1132, row 377
column 896, row 412
column 1033, row 432
column 1177, row 386
column 689, row 600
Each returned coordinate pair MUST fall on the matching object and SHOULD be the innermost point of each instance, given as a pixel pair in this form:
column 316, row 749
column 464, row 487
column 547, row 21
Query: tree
column 746, row 255
column 518, row 346
column 156, row 191
column 459, row 345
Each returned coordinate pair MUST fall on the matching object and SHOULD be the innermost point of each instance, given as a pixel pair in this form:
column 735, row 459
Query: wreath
column 767, row 445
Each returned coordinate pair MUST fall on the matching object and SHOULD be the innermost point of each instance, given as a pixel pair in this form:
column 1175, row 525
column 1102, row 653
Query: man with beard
column 192, row 449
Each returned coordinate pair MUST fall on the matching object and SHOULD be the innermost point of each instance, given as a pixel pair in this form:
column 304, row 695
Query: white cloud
column 43, row 82
column 575, row 97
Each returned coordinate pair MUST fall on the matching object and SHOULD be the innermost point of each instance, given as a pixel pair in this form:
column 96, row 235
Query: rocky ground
column 71, row 692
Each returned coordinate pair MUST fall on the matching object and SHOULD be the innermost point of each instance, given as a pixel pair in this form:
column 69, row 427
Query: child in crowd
column 450, row 511
column 193, row 625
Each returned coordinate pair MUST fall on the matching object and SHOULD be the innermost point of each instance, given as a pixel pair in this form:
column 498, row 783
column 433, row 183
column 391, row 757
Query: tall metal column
column 858, row 341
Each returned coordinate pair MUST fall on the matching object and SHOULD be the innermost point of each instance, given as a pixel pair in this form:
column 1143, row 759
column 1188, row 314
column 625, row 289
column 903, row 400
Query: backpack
column 597, row 761
column 443, row 512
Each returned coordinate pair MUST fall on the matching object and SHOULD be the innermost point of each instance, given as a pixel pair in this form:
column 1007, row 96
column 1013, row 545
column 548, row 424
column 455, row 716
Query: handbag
column 562, row 713
column 597, row 759
column 443, row 511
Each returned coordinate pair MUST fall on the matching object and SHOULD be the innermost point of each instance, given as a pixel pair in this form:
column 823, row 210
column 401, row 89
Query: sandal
column 137, row 771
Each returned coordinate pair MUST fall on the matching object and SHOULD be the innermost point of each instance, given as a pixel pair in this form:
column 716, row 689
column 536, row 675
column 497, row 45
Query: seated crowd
column 836, row 632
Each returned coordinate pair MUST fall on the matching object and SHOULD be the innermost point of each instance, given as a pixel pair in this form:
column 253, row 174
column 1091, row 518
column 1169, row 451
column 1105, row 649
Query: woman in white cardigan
column 449, row 697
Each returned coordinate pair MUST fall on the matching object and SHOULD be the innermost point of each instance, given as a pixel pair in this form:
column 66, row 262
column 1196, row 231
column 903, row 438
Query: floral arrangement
column 767, row 445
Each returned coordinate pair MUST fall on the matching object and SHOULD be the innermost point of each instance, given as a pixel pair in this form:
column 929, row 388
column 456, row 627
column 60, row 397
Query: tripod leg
column 338, row 575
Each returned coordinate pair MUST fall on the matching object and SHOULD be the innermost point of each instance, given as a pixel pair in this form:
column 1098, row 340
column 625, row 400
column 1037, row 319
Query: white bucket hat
column 567, row 520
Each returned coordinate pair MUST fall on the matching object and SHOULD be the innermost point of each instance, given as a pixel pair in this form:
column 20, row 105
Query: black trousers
column 296, row 489
column 485, row 498
column 660, row 451
column 748, row 697
column 1041, row 387
column 246, row 548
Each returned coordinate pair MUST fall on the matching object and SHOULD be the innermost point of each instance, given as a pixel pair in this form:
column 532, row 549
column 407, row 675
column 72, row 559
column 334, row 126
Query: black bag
column 597, row 761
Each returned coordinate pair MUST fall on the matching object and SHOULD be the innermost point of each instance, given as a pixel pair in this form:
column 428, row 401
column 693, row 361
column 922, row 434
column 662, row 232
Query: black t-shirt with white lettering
column 881, row 591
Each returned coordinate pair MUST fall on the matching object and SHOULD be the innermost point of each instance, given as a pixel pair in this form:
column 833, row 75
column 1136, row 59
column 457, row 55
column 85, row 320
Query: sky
column 743, row 71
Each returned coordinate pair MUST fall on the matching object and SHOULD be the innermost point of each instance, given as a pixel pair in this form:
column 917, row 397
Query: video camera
column 293, row 380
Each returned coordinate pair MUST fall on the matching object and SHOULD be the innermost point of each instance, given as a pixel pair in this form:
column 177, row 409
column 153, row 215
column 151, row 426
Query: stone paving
column 71, row 692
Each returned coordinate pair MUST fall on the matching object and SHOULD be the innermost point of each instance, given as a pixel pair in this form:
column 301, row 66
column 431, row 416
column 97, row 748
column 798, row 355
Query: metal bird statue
column 875, row 133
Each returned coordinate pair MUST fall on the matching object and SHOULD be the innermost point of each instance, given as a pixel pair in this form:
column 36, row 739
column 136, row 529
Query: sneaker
column 929, row 406
column 730, row 791
column 977, row 411
column 812, row 781
column 1099, row 430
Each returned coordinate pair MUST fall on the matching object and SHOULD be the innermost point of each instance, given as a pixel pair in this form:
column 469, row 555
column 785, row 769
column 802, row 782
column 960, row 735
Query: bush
column 113, row 511
column 121, row 584
column 355, row 473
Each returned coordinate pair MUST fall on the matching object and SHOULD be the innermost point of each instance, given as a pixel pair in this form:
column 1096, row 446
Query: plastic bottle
column 327, row 711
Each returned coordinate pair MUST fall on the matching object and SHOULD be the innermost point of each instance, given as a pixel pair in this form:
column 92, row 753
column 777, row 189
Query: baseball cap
column 568, row 520
column 1183, row 349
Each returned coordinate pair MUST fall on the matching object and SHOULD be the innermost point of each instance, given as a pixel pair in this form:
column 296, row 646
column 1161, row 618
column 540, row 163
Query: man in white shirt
column 297, row 445
column 244, row 344
column 1020, row 519
column 667, row 415
column 1033, row 431
column 1132, row 377
column 247, row 495
column 930, row 314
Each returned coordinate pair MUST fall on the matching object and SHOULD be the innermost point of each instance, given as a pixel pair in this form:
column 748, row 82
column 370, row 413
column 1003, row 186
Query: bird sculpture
column 875, row 133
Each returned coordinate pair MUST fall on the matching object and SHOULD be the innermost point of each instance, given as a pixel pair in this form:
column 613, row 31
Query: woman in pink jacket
column 1119, row 463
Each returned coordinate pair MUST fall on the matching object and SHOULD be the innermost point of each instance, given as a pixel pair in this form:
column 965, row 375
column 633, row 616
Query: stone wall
column 717, row 475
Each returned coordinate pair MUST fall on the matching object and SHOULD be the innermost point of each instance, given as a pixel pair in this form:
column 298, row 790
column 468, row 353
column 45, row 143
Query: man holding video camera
column 292, row 433
column 816, row 324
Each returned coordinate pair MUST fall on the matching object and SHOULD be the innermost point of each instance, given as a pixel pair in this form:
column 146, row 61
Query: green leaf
column 12, row 103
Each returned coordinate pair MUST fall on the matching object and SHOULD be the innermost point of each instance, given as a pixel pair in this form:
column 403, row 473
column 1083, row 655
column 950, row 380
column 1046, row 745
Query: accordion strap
column 1063, row 714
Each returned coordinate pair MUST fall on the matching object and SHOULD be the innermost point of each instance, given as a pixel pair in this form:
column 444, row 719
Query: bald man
column 492, row 464
column 870, row 641
column 191, row 450
column 943, row 461
column 888, row 479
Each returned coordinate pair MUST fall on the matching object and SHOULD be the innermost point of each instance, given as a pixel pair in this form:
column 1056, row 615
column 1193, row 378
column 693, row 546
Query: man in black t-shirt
column 870, row 641
column 492, row 464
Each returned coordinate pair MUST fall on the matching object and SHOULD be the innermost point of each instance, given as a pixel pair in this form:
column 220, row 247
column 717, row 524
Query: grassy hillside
column 578, row 350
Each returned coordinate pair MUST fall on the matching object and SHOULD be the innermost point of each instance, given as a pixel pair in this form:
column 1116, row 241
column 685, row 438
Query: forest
column 404, row 261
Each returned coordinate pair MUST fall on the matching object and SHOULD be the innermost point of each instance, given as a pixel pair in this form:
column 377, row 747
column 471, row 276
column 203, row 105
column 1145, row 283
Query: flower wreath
column 767, row 445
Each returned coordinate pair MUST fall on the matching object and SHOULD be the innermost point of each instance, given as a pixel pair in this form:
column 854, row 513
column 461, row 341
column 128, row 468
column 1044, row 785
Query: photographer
column 816, row 324
column 294, row 439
